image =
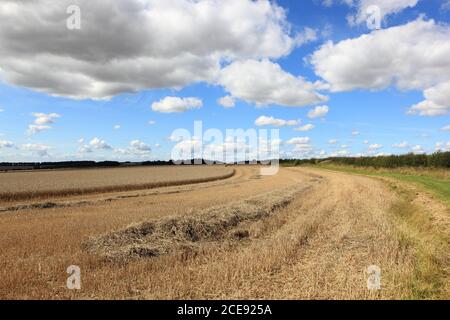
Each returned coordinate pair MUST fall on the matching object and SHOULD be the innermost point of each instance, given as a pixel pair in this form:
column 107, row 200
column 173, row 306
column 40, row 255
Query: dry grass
column 189, row 233
column 45, row 184
column 302, row 234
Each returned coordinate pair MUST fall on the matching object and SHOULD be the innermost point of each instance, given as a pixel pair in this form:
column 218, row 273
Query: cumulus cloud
column 99, row 144
column 340, row 153
column 387, row 7
column 84, row 149
column 436, row 103
column 6, row 144
column 271, row 121
column 226, row 102
column 264, row 82
column 151, row 122
column 1, row 110
column 34, row 128
column 418, row 149
column 306, row 127
column 375, row 146
column 140, row 146
column 411, row 56
column 303, row 149
column 176, row 104
column 39, row 149
column 442, row 146
column 117, row 127
column 299, row 140
column 126, row 46
column 332, row 141
column 41, row 122
column 307, row 35
column 355, row 133
column 401, row 145
column 318, row 112
column 445, row 6
column 446, row 128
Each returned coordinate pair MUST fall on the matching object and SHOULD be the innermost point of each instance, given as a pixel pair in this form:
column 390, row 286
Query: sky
column 116, row 79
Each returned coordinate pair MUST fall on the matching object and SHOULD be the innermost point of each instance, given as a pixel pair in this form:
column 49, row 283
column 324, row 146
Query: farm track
column 316, row 245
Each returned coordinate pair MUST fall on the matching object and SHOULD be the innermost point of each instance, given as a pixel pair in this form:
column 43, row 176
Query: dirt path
column 316, row 245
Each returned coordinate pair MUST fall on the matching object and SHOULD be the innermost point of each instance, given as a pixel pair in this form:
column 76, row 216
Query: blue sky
column 392, row 102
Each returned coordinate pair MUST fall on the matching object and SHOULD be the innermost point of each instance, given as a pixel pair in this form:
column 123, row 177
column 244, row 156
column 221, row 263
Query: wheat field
column 303, row 233
column 22, row 185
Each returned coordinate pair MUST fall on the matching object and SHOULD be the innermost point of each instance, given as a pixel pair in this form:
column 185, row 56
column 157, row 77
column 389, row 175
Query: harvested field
column 178, row 234
column 47, row 183
column 301, row 234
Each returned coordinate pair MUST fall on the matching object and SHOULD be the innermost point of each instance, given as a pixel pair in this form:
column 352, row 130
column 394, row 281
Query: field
column 222, row 233
column 45, row 183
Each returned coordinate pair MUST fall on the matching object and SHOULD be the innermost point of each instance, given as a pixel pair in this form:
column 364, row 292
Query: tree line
column 434, row 160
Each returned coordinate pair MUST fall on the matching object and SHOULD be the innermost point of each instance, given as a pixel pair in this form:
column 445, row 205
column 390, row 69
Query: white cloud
column 317, row 112
column 136, row 148
column 442, row 146
column 387, row 7
column 417, row 149
column 227, row 102
column 306, row 127
column 355, row 133
column 175, row 138
column 436, row 103
column 401, row 145
column 34, row 128
column 41, row 122
column 332, row 141
column 303, row 149
column 6, row 144
column 157, row 145
column 139, row 146
column 366, row 141
column 43, row 118
column 176, row 104
column 307, row 35
column 1, row 110
column 151, row 122
column 271, row 121
column 342, row 152
column 445, row 6
column 40, row 149
column 381, row 154
column 375, row 146
column 299, row 140
column 97, row 143
column 327, row 3
column 126, row 46
column 446, row 128
column 85, row 149
column 411, row 56
column 117, row 127
column 264, row 83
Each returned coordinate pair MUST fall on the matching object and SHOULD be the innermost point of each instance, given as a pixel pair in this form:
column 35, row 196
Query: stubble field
column 305, row 233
